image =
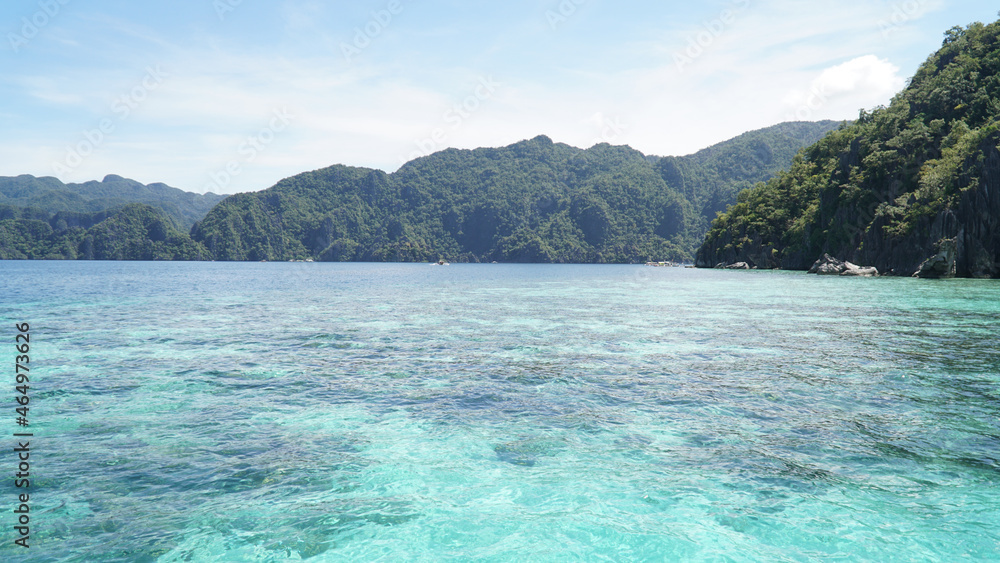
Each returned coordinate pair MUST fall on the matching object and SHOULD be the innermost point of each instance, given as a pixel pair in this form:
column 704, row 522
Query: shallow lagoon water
column 373, row 412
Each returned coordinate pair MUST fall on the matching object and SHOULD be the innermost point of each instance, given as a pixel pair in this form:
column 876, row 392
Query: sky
column 232, row 96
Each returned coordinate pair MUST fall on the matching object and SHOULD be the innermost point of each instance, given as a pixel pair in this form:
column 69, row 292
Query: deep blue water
column 362, row 412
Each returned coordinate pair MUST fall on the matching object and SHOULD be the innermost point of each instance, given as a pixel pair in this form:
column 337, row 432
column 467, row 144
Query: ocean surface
column 367, row 412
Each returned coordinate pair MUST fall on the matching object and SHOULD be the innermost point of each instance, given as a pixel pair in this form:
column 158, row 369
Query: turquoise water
column 360, row 412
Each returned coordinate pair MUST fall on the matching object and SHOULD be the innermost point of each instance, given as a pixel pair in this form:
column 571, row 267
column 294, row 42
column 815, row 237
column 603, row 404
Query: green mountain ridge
column 712, row 178
column 533, row 201
column 53, row 196
column 911, row 189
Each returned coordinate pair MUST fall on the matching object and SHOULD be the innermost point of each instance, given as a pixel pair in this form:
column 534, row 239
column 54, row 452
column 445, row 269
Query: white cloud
column 859, row 83
column 867, row 75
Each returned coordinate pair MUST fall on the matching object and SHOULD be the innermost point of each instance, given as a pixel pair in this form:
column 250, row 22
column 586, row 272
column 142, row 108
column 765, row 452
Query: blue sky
column 233, row 95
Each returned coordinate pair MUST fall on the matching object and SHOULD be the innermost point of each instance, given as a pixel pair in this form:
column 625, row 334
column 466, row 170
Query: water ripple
column 395, row 412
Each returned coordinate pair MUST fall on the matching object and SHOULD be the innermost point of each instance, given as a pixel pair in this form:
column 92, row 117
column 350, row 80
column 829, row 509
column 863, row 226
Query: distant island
column 910, row 189
column 534, row 201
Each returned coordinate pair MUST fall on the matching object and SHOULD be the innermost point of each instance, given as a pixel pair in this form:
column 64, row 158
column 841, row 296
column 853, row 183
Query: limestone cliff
column 913, row 188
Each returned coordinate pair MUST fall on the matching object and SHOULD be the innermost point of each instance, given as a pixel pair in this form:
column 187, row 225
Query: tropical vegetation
column 896, row 186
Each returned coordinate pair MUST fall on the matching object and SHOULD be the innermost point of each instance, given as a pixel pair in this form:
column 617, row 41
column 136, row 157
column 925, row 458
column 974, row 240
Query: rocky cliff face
column 962, row 239
column 978, row 221
column 910, row 189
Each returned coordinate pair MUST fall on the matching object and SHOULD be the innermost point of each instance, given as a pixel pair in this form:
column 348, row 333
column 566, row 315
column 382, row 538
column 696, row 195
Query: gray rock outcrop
column 941, row 265
column 859, row 272
column 829, row 266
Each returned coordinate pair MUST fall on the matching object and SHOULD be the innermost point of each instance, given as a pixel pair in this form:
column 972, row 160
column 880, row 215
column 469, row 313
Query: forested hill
column 534, row 201
column 52, row 196
column 913, row 188
column 711, row 178
column 134, row 231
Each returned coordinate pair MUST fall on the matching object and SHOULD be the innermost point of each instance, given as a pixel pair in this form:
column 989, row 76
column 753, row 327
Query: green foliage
column 51, row 195
column 893, row 169
column 712, row 178
column 534, row 201
column 133, row 232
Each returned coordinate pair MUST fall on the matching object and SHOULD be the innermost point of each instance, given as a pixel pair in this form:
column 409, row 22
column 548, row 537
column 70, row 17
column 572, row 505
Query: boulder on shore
column 942, row 264
column 860, row 272
column 829, row 266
